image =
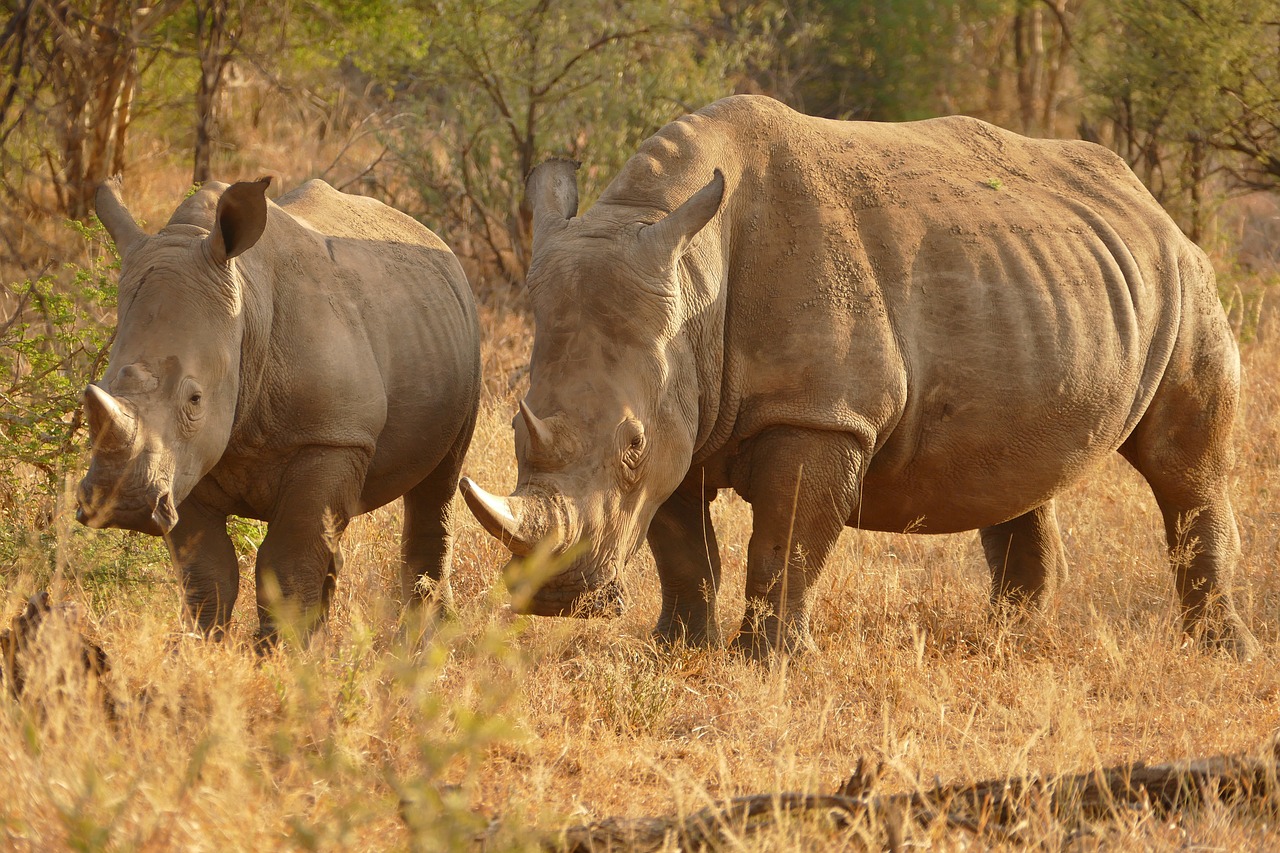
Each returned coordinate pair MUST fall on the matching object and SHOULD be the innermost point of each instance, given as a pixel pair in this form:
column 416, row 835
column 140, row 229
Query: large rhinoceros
column 930, row 327
column 299, row 362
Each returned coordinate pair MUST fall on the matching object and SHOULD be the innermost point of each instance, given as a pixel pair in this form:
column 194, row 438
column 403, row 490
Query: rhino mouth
column 154, row 516
column 572, row 597
column 588, row 587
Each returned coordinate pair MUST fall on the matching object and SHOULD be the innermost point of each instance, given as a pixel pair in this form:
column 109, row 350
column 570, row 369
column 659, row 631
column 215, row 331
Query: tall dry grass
column 521, row 726
column 515, row 727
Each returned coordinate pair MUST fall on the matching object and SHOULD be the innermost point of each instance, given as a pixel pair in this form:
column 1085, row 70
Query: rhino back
column 373, row 339
column 974, row 302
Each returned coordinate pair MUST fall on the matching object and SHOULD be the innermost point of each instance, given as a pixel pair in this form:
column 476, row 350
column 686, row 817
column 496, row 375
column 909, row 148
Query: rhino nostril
column 165, row 514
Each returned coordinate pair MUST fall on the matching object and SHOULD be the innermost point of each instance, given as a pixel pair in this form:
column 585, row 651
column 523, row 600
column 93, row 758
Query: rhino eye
column 192, row 410
column 634, row 453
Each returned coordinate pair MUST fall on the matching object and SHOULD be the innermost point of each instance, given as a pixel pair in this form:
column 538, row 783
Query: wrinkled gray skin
column 299, row 362
column 927, row 327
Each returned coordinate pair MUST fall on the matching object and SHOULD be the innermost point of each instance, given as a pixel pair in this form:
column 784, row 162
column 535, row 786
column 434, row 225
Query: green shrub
column 54, row 342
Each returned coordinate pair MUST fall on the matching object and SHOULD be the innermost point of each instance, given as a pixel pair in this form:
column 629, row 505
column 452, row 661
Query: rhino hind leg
column 426, row 543
column 205, row 559
column 1182, row 448
column 1026, row 557
column 803, row 487
column 1204, row 547
column 297, row 566
column 687, row 556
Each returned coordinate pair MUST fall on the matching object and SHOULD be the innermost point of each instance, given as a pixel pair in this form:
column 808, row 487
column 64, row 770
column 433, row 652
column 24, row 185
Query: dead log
column 991, row 808
column 20, row 646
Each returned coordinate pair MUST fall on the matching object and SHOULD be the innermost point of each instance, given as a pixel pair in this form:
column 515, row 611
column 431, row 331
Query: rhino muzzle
column 570, row 594
column 98, row 508
column 584, row 588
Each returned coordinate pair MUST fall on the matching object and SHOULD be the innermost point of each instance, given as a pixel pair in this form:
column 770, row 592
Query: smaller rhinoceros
column 299, row 362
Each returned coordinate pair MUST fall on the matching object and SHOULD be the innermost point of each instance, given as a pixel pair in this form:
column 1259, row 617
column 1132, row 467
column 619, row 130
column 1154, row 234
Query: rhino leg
column 684, row 549
column 1026, row 557
column 1182, row 448
column 426, row 544
column 803, row 488
column 1204, row 547
column 207, row 568
column 300, row 557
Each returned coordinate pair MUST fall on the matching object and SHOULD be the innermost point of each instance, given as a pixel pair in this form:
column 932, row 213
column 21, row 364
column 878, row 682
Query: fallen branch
column 992, row 809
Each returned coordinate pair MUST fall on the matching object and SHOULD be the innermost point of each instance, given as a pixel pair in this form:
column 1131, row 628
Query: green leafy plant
column 51, row 347
column 54, row 341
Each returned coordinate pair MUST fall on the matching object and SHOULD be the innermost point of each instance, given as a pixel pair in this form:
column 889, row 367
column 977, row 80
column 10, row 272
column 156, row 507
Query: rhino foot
column 763, row 645
column 1225, row 631
column 673, row 632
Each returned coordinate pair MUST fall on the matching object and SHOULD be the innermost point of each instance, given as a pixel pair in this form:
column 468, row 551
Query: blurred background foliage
column 440, row 108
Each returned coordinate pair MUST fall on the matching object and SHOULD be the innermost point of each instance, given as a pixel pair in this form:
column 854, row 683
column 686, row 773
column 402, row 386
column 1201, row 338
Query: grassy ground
column 534, row 724
column 518, row 727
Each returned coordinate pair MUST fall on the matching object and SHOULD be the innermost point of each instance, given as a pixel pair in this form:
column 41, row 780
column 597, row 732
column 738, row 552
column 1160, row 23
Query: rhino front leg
column 1026, row 557
column 684, row 549
column 803, row 488
column 205, row 559
column 299, row 558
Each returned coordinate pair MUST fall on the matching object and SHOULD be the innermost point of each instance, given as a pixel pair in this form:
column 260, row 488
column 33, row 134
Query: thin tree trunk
column 211, row 20
column 124, row 113
column 1196, row 162
column 109, row 81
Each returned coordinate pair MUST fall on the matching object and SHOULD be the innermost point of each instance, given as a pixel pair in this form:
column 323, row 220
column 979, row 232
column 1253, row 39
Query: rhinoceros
column 925, row 327
column 298, row 362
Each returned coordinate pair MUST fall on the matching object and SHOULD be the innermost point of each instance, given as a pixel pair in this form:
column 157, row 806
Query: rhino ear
column 240, row 220
column 671, row 235
column 551, row 191
column 114, row 216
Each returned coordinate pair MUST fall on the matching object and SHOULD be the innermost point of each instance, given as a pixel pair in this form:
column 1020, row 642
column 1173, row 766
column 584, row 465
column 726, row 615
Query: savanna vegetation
column 501, row 730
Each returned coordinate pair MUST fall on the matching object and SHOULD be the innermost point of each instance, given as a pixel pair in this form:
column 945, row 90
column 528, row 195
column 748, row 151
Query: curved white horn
column 111, row 425
column 502, row 517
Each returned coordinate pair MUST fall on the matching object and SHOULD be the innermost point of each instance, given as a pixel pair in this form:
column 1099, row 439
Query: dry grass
column 533, row 724
column 524, row 726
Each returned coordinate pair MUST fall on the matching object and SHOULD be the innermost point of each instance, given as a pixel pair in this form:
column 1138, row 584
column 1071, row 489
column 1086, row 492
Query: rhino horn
column 551, row 191
column 540, row 435
column 512, row 521
column 670, row 236
column 114, row 216
column 111, row 425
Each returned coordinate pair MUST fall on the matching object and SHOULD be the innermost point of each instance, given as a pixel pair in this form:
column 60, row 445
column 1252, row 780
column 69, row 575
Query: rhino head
column 161, row 416
column 608, row 428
